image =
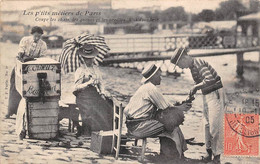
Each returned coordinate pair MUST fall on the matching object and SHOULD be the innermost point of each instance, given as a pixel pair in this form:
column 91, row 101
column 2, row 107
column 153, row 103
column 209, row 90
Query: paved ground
column 66, row 149
column 69, row 149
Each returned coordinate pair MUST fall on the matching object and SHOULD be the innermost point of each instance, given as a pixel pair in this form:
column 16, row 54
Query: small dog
column 72, row 113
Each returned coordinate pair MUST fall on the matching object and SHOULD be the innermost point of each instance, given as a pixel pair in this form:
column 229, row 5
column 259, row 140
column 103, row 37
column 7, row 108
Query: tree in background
column 228, row 9
column 195, row 18
column 206, row 15
column 173, row 14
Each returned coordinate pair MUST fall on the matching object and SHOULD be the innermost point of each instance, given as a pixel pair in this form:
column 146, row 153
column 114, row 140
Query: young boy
column 207, row 80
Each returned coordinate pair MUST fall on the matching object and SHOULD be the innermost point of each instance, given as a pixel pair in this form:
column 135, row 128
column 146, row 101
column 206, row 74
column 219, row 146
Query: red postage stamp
column 241, row 136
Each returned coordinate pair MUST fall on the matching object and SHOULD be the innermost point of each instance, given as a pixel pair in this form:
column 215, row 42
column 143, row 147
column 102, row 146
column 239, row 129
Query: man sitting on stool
column 149, row 114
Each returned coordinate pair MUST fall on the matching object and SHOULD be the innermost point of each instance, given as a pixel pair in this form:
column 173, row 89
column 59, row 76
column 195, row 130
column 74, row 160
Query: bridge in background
column 133, row 51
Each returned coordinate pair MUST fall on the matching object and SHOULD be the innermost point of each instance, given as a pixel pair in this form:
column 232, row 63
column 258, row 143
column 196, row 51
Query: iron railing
column 137, row 43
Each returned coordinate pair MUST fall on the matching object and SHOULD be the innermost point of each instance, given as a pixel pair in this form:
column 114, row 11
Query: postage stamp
column 241, row 134
column 241, row 127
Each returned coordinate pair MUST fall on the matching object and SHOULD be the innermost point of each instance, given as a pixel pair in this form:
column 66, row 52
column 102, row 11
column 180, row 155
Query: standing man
column 149, row 114
column 29, row 47
column 209, row 82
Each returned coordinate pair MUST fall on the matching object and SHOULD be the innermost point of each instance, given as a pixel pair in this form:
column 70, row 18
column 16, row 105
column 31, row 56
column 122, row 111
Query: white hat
column 149, row 71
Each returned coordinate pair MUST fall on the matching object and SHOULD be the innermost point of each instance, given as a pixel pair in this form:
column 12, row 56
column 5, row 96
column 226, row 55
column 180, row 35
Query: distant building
column 172, row 26
column 248, row 30
column 252, row 5
column 249, row 25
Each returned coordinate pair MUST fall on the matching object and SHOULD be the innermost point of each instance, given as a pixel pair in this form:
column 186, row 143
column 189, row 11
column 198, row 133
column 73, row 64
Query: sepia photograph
column 130, row 81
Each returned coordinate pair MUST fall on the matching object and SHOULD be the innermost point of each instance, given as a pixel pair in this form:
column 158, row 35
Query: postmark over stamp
column 241, row 127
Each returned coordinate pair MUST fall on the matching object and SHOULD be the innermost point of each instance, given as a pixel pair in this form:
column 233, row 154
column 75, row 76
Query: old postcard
column 128, row 81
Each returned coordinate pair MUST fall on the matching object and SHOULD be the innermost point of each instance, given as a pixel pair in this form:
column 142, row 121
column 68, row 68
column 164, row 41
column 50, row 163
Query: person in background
column 96, row 112
column 209, row 82
column 149, row 114
column 29, row 47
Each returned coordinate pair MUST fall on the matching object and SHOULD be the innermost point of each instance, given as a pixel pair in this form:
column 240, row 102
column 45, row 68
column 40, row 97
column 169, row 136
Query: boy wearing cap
column 209, row 82
column 148, row 114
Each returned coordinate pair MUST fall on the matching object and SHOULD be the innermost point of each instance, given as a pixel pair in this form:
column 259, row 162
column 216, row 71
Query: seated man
column 149, row 114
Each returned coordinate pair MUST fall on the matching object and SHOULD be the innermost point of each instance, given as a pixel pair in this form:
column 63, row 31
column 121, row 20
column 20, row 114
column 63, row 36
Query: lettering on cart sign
column 31, row 68
column 35, row 90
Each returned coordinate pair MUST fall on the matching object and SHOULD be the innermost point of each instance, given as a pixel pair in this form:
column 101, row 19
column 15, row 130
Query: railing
column 246, row 41
column 147, row 42
column 141, row 43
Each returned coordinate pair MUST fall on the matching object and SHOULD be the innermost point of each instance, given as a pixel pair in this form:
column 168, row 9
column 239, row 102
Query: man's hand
column 89, row 82
column 24, row 58
column 20, row 56
column 185, row 106
column 27, row 58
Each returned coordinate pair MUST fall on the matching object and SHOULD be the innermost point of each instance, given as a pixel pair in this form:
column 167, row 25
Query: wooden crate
column 42, row 118
column 101, row 142
column 27, row 82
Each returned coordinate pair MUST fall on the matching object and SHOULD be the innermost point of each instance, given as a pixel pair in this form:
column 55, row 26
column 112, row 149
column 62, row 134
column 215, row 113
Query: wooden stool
column 119, row 139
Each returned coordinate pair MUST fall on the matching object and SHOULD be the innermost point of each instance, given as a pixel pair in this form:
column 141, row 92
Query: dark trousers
column 168, row 148
column 14, row 96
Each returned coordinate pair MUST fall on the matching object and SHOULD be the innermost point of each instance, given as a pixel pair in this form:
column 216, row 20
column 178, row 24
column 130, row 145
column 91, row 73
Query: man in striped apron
column 209, row 82
column 149, row 114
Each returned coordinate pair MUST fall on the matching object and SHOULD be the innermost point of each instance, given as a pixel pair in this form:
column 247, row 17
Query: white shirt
column 30, row 48
column 83, row 75
column 145, row 101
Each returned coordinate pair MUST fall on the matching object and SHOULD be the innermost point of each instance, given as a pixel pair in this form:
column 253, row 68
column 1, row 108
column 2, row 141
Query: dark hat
column 177, row 55
column 88, row 51
column 149, row 71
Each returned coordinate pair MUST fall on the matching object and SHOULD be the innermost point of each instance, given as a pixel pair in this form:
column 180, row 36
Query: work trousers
column 214, row 103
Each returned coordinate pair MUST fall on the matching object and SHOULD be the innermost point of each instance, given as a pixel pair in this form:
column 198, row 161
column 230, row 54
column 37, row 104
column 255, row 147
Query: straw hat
column 177, row 55
column 88, row 51
column 149, row 71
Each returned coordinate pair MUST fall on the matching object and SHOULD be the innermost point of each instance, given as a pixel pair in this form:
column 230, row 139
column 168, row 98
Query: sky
column 193, row 6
